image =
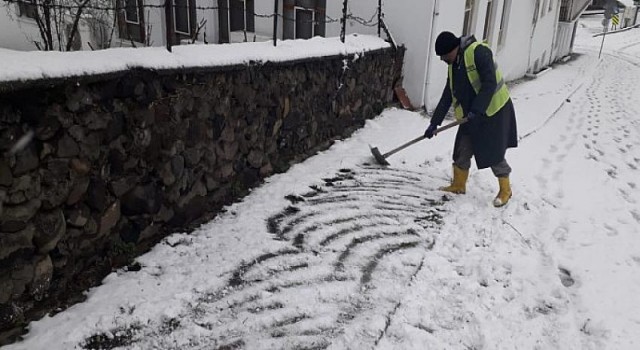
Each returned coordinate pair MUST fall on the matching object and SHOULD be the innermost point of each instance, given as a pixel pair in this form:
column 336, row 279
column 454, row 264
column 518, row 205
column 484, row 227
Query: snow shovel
column 381, row 158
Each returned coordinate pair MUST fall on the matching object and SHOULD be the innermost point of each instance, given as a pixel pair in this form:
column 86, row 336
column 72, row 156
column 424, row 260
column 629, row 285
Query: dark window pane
column 487, row 21
column 304, row 24
column 27, row 9
column 251, row 26
column 223, row 21
column 236, row 15
column 181, row 16
column 131, row 11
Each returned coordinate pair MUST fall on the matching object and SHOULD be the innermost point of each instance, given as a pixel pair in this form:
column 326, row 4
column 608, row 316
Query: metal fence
column 191, row 21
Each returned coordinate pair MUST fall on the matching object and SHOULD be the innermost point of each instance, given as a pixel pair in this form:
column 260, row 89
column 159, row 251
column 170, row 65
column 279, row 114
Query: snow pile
column 20, row 65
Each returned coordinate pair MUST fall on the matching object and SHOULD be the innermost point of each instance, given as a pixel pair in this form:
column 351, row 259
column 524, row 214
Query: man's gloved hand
column 430, row 131
column 472, row 117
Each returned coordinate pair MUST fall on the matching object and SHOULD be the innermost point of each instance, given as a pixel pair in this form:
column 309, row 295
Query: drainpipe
column 533, row 31
column 555, row 34
column 427, row 68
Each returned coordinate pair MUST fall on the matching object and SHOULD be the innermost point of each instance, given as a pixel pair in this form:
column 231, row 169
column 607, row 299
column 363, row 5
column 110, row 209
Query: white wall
column 16, row 33
column 264, row 26
column 450, row 18
column 360, row 8
column 543, row 37
column 410, row 24
column 524, row 43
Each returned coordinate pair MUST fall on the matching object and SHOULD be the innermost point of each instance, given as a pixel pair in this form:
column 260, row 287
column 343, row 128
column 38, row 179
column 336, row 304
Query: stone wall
column 118, row 161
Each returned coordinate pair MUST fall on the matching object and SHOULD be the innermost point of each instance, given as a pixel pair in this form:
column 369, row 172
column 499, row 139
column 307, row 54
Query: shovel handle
column 449, row 126
column 418, row 139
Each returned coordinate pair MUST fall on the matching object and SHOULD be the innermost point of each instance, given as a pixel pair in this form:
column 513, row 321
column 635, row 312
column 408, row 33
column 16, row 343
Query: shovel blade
column 378, row 156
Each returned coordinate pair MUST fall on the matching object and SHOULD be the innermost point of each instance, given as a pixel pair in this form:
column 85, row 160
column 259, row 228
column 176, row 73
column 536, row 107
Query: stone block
column 255, row 158
column 97, row 121
column 24, row 188
column 50, row 228
column 121, row 186
column 11, row 242
column 141, row 200
column 67, row 147
column 97, row 195
column 79, row 166
column 10, row 315
column 55, row 193
column 109, row 219
column 6, row 177
column 42, row 274
column 77, row 217
column 26, row 160
column 78, row 190
column 15, row 218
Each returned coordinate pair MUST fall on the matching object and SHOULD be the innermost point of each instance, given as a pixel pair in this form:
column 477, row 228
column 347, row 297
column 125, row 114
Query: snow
column 628, row 3
column 20, row 65
column 375, row 257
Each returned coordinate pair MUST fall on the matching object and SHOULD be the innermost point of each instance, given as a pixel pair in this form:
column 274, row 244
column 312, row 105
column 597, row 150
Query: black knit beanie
column 446, row 42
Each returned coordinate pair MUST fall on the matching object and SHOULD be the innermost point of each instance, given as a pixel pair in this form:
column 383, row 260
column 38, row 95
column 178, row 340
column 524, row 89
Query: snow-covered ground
column 358, row 256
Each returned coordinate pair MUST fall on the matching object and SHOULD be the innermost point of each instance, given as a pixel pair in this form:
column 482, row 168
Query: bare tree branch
column 74, row 29
column 202, row 24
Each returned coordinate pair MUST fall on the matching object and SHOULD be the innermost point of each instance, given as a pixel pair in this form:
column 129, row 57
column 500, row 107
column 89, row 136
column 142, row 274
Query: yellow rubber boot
column 504, row 194
column 459, row 182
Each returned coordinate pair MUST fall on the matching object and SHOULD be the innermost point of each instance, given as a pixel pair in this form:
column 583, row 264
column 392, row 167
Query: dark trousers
column 464, row 152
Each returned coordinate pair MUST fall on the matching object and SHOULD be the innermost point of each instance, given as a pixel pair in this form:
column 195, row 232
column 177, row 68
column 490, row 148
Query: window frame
column 28, row 9
column 467, row 23
column 504, row 23
column 129, row 30
column 313, row 23
column 244, row 18
column 189, row 19
column 488, row 21
column 126, row 19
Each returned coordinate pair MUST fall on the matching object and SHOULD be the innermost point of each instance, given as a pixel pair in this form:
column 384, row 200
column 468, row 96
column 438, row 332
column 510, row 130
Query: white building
column 629, row 13
column 17, row 30
column 525, row 35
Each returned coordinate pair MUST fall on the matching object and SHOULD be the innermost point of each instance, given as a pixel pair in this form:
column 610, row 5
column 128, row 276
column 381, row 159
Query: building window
column 131, row 21
column 28, row 9
column 504, row 22
column 236, row 18
column 241, row 16
column 488, row 20
column 184, row 17
column 131, row 12
column 468, row 17
column 551, row 5
column 304, row 19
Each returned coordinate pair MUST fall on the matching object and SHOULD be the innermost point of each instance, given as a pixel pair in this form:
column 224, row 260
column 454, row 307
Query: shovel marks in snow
column 351, row 248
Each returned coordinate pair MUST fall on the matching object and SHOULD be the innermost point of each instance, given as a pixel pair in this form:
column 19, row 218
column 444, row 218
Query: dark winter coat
column 490, row 136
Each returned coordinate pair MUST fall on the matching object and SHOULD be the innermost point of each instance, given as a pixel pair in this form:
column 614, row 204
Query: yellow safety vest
column 500, row 96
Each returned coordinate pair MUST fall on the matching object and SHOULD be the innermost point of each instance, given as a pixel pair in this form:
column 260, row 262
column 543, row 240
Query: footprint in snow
column 565, row 277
